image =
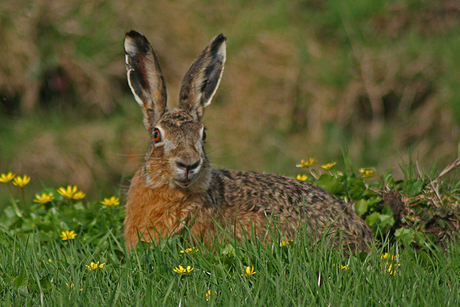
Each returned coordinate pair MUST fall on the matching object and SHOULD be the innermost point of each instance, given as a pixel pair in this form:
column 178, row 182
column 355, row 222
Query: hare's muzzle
column 186, row 171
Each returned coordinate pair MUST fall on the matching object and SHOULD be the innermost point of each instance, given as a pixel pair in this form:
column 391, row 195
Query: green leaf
column 373, row 201
column 386, row 222
column 361, row 206
column 9, row 213
column 387, row 210
column 358, row 187
column 46, row 285
column 10, row 220
column 373, row 219
column 415, row 188
column 20, row 283
column 362, row 256
column 356, row 192
column 405, row 235
column 330, row 184
column 382, row 221
column 228, row 250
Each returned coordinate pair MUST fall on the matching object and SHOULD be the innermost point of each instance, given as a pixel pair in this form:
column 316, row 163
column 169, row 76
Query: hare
column 177, row 189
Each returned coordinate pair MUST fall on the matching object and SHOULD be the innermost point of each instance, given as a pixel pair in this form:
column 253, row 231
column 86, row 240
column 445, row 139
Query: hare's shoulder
column 250, row 186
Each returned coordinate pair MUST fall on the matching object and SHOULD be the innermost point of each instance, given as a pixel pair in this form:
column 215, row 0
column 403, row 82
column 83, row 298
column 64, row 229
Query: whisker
column 128, row 155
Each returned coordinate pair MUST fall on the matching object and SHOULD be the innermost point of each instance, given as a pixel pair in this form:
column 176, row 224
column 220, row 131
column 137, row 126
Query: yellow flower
column 392, row 268
column 301, row 177
column 307, row 163
column 69, row 192
column 285, row 243
column 189, row 250
column 93, row 266
column 5, row 178
column 344, row 268
column 367, row 172
column 388, row 256
column 112, row 201
column 208, row 295
column 68, row 235
column 21, row 181
column 182, row 270
column 72, row 286
column 79, row 195
column 328, row 166
column 249, row 271
column 44, row 198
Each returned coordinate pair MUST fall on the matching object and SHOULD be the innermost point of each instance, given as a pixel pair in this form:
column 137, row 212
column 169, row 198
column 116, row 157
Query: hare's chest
column 170, row 216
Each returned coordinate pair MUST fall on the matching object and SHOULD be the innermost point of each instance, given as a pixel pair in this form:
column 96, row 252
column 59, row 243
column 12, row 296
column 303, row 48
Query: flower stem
column 15, row 206
column 26, row 208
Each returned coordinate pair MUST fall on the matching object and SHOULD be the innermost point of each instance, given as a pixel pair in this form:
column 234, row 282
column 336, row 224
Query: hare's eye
column 156, row 135
column 203, row 137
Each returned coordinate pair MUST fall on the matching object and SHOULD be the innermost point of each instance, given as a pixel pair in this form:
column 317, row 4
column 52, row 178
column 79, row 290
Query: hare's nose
column 188, row 167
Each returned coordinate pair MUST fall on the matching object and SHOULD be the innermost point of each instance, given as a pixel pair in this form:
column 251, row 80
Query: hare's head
column 176, row 156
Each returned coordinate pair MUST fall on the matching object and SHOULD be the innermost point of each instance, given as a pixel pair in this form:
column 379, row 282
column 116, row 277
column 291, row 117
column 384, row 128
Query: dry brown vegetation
column 303, row 78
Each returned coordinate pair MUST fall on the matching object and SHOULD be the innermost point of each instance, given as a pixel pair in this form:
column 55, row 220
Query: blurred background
column 379, row 80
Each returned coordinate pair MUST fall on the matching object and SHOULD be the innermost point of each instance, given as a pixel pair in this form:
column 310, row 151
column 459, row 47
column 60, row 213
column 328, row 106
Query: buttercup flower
column 189, row 250
column 344, row 268
column 388, row 256
column 302, row 177
column 112, row 201
column 79, row 195
column 68, row 235
column 392, row 268
column 21, row 181
column 307, row 163
column 69, row 192
column 285, row 243
column 182, row 270
column 5, row 178
column 44, row 198
column 367, row 172
column 328, row 166
column 72, row 286
column 249, row 271
column 93, row 266
column 208, row 295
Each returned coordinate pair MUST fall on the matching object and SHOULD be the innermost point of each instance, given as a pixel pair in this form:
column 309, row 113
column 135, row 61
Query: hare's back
column 289, row 201
column 249, row 189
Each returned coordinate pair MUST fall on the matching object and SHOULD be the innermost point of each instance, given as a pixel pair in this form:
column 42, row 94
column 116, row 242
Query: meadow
column 60, row 249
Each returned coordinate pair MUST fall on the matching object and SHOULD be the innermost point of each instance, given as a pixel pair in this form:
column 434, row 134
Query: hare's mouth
column 183, row 183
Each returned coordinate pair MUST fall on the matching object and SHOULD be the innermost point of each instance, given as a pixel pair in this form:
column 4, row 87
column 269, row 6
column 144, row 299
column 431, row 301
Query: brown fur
column 177, row 189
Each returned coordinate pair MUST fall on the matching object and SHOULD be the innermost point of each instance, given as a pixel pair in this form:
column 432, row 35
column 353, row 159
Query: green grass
column 408, row 266
column 35, row 273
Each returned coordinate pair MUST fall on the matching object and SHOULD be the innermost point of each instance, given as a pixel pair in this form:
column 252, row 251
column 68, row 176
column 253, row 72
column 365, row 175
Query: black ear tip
column 220, row 37
column 217, row 42
column 134, row 35
column 136, row 40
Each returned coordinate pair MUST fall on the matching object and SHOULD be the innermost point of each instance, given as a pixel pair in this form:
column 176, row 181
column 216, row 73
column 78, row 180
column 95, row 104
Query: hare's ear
column 202, row 79
column 145, row 78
